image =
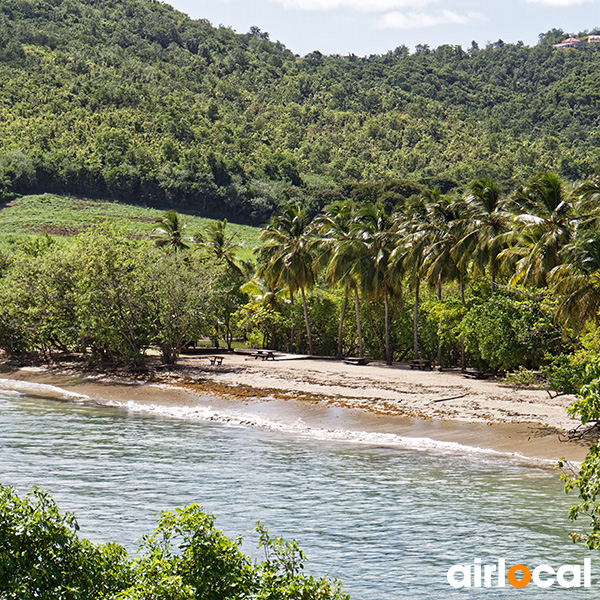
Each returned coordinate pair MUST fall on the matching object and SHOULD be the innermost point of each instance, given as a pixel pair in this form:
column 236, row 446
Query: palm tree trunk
column 416, row 322
column 388, row 354
column 342, row 317
column 361, row 351
column 292, row 326
column 310, row 342
column 463, row 358
column 439, row 297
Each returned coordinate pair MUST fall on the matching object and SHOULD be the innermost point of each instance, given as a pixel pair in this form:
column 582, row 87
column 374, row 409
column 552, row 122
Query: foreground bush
column 41, row 556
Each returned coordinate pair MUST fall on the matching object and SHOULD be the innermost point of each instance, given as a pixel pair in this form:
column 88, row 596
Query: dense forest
column 134, row 100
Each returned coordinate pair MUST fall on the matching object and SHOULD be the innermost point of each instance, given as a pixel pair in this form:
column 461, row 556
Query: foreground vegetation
column 133, row 100
column 186, row 558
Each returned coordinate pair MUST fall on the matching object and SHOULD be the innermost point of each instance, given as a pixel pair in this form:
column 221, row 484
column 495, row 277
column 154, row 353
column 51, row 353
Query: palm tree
column 338, row 254
column 577, row 281
column 543, row 226
column 374, row 242
column 489, row 224
column 431, row 236
column 287, row 256
column 447, row 252
column 215, row 242
column 588, row 203
column 170, row 234
column 266, row 300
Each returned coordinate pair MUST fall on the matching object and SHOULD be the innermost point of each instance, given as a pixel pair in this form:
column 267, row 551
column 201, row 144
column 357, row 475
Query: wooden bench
column 422, row 364
column 475, row 374
column 264, row 354
column 215, row 360
column 356, row 360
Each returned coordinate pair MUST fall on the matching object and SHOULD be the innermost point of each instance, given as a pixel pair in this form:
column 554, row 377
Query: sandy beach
column 444, row 406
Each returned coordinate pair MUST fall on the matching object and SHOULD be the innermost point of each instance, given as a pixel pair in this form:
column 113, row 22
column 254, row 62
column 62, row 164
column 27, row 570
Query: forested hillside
column 134, row 100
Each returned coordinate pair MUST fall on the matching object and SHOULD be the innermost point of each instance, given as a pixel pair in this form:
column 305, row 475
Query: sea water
column 385, row 515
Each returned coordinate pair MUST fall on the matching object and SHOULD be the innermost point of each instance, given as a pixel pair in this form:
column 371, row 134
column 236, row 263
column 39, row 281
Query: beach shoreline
column 330, row 395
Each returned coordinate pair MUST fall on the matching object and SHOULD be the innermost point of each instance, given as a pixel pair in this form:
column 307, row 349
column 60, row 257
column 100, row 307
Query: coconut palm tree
column 447, row 251
column 170, row 234
column 408, row 255
column 375, row 239
column 588, row 203
column 287, row 257
column 337, row 254
column 216, row 242
column 577, row 281
column 489, row 222
column 543, row 227
column 266, row 301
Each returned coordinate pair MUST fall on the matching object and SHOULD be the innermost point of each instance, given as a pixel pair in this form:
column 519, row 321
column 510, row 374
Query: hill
column 32, row 216
column 133, row 100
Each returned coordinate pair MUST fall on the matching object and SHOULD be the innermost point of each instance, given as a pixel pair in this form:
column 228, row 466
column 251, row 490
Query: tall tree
column 447, row 252
column 338, row 256
column 215, row 242
column 577, row 281
column 543, row 226
column 287, row 257
column 489, row 222
column 375, row 241
column 408, row 255
column 171, row 232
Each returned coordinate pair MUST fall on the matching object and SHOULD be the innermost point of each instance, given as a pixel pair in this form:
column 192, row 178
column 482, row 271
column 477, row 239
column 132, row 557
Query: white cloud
column 361, row 5
column 420, row 20
column 559, row 2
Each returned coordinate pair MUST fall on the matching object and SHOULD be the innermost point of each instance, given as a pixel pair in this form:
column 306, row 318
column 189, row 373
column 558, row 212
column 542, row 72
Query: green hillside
column 31, row 216
column 132, row 100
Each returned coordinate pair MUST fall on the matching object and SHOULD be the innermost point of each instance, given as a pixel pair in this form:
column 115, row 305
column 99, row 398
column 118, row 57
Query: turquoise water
column 387, row 521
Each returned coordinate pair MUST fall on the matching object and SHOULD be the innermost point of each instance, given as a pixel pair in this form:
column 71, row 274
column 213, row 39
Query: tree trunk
column 388, row 354
column 463, row 358
column 416, row 322
column 361, row 351
column 310, row 342
column 342, row 317
column 493, row 271
column 292, row 319
column 439, row 297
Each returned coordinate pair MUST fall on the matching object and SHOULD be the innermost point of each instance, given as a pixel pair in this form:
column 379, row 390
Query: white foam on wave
column 300, row 428
column 16, row 387
column 232, row 418
column 10, row 394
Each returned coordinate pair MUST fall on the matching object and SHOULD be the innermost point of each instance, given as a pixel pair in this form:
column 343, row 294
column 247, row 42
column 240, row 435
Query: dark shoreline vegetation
column 186, row 557
column 134, row 100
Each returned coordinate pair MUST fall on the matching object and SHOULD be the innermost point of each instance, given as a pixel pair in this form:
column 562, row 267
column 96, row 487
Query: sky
column 365, row 27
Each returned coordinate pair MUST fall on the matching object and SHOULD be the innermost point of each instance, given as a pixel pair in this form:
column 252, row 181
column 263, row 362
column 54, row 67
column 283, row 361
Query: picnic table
column 422, row 364
column 264, row 354
column 475, row 374
column 355, row 360
column 215, row 360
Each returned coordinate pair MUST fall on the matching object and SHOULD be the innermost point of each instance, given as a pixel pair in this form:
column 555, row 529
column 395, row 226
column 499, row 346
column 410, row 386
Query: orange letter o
column 518, row 583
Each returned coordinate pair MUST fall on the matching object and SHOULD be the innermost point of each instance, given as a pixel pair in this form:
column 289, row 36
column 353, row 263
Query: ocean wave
column 299, row 428
column 17, row 387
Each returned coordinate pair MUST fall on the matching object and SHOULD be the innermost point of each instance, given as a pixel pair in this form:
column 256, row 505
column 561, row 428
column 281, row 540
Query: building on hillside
column 593, row 40
column 571, row 43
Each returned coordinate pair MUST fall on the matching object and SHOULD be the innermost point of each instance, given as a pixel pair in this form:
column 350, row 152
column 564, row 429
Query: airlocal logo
column 519, row 576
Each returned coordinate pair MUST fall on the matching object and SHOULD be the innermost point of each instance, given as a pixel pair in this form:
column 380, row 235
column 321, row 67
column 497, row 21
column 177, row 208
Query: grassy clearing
column 65, row 216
